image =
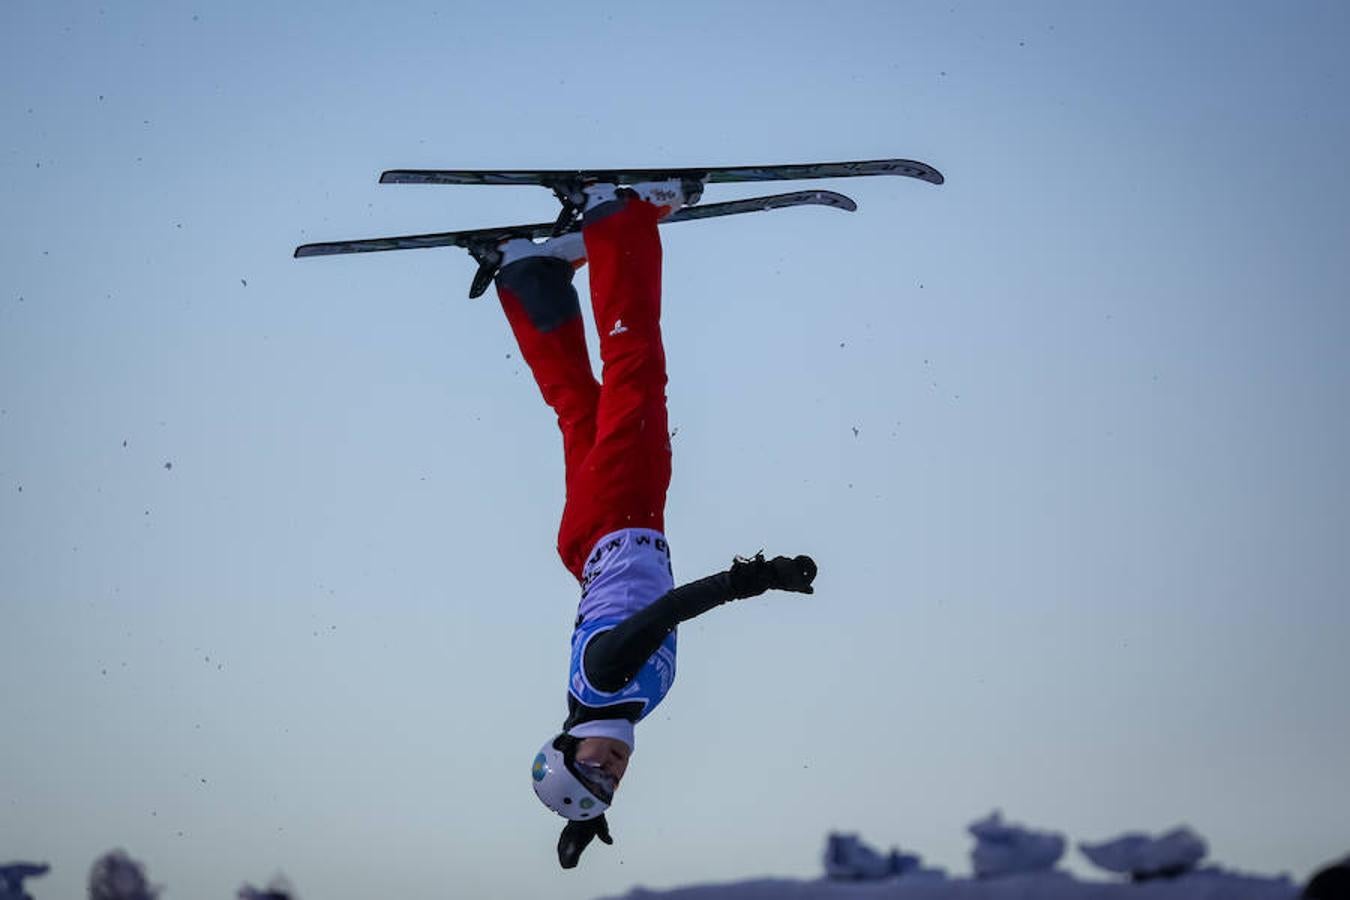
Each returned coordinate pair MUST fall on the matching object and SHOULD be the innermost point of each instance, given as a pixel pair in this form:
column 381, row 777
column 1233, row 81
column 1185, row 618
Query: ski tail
column 417, row 241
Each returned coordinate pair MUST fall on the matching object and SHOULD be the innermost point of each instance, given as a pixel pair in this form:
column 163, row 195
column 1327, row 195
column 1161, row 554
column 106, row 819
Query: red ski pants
column 616, row 445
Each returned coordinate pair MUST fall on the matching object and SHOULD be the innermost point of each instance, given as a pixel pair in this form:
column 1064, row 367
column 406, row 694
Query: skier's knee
column 543, row 284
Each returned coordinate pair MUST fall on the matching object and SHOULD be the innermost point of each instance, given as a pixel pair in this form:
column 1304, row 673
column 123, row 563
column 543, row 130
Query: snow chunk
column 116, row 876
column 1143, row 857
column 1011, row 849
column 847, row 858
column 13, row 875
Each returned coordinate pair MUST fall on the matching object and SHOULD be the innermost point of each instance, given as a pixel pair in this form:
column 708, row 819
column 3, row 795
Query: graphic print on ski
column 567, row 184
column 483, row 243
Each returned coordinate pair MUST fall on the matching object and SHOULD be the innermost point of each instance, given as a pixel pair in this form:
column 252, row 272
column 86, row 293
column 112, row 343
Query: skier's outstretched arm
column 613, row 658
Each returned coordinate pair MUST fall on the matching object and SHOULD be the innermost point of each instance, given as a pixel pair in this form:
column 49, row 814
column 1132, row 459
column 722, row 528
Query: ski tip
column 832, row 199
column 911, row 168
column 839, row 201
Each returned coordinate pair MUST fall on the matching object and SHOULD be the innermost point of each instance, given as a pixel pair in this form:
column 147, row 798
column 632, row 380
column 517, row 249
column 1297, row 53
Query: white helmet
column 572, row 790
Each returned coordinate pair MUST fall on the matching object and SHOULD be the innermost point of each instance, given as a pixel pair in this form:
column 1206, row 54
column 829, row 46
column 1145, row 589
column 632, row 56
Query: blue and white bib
column 627, row 571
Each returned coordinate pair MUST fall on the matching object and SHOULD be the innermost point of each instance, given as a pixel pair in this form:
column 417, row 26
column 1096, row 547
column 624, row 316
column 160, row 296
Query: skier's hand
column 752, row 577
column 576, row 836
column 794, row 574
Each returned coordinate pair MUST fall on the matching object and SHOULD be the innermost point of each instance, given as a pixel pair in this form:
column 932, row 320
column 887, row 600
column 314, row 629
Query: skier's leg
column 542, row 308
column 622, row 482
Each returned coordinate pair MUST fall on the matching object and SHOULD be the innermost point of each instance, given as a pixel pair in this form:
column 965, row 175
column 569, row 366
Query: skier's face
column 606, row 753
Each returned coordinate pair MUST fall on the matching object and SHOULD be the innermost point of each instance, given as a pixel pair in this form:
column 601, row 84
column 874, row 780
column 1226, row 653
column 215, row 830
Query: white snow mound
column 1203, row 885
column 1177, row 851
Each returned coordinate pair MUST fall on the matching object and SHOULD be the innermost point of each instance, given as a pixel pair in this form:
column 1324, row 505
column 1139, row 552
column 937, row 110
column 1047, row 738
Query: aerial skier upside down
column 616, row 449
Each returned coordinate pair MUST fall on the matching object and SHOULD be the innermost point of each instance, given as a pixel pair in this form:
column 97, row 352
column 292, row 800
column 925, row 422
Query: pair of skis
column 568, row 186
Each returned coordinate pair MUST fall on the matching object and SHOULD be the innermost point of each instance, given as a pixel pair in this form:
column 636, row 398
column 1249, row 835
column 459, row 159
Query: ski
column 567, row 184
column 482, row 243
column 707, row 175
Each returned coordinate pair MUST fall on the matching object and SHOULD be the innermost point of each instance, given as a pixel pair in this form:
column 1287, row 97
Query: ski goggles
column 595, row 779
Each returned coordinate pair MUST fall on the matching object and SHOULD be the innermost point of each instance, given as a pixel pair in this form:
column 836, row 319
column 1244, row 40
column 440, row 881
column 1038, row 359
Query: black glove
column 576, row 836
column 752, row 577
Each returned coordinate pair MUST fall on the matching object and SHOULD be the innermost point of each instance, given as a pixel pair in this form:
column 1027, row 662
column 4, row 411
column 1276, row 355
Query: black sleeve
column 614, row 656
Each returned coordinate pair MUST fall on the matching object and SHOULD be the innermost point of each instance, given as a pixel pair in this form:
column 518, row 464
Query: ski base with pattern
column 483, row 243
column 568, row 184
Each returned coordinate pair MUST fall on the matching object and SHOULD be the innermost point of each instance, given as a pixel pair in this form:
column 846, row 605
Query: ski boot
column 581, row 199
column 568, row 247
column 587, row 203
column 667, row 196
column 493, row 255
